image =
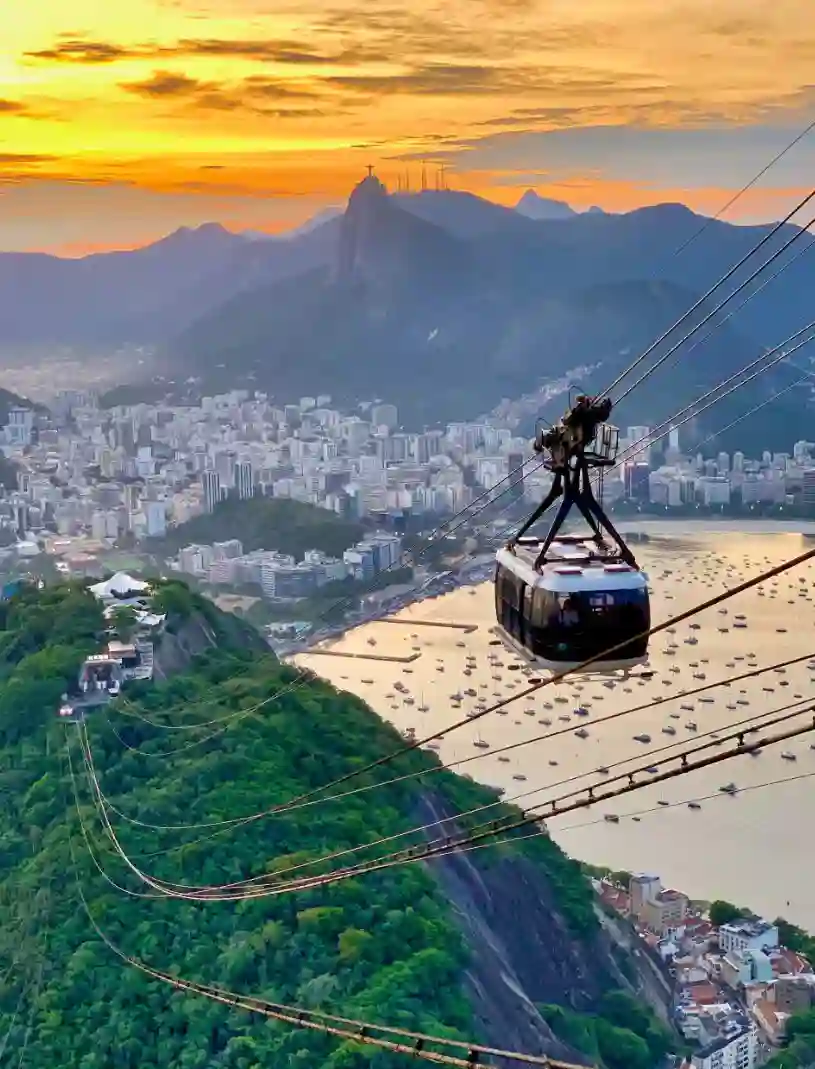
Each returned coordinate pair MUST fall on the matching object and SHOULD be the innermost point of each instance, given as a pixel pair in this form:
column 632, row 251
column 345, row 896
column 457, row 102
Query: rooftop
column 747, row 927
column 703, row 994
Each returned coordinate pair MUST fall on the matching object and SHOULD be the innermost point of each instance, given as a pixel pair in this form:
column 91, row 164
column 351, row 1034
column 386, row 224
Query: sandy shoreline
column 748, row 847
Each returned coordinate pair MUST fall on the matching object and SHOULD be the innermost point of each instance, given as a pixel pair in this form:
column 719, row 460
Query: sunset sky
column 123, row 119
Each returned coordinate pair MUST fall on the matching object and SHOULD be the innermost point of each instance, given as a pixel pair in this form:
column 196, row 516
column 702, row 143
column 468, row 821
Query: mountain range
column 441, row 301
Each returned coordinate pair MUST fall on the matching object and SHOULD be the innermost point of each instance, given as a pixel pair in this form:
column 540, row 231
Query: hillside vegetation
column 266, row 523
column 385, row 948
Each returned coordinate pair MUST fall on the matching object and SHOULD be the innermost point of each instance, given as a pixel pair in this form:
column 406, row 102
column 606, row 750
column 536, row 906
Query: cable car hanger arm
column 570, row 459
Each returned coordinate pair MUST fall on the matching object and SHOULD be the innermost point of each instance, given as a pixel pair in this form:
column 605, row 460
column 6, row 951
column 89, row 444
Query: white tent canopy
column 120, row 585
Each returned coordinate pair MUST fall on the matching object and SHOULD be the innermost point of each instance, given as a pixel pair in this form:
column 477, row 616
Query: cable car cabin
column 578, row 605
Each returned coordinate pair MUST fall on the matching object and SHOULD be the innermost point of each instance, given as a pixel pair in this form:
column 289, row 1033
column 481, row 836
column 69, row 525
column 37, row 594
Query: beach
column 751, row 847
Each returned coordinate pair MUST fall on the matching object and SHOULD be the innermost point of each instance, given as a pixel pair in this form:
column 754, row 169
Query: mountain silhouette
column 445, row 326
column 439, row 301
column 534, row 206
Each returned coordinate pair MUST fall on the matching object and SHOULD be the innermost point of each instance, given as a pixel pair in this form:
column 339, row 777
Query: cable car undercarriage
column 563, row 599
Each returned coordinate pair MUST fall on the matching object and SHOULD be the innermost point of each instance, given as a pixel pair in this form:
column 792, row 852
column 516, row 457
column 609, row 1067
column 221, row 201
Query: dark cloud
column 433, row 79
column 77, row 50
column 256, row 94
column 742, row 30
column 523, row 116
column 256, row 85
column 277, row 51
column 22, row 158
column 299, row 113
column 440, row 79
column 168, row 84
column 288, row 51
column 12, row 107
column 217, row 100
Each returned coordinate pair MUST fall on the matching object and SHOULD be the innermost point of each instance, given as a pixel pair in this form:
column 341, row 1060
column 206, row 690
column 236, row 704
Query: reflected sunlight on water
column 746, row 848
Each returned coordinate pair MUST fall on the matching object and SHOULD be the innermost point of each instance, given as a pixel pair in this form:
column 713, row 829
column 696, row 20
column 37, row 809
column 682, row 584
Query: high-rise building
column 211, row 483
column 156, row 514
column 641, row 435
column 20, row 426
column 126, row 435
column 229, row 550
column 225, row 467
column 809, row 488
column 244, row 479
column 515, row 463
column 636, row 481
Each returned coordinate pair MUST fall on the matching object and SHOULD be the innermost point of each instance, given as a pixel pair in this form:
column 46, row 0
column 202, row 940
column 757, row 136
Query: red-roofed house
column 788, row 963
column 770, row 1020
column 704, row 994
column 614, row 897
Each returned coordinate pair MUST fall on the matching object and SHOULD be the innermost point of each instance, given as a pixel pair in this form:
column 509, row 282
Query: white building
column 156, row 518
column 742, row 935
column 729, row 1052
column 211, row 484
column 229, row 550
column 20, row 426
column 244, row 480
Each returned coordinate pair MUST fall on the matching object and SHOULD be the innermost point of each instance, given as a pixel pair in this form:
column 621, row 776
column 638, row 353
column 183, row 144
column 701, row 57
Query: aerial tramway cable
column 386, row 1037
column 448, row 766
column 752, row 723
column 780, row 353
column 756, row 408
column 663, row 807
column 784, row 354
column 725, row 301
column 602, row 791
column 509, row 478
column 666, row 807
column 745, row 188
column 363, row 1031
column 533, row 688
column 724, row 278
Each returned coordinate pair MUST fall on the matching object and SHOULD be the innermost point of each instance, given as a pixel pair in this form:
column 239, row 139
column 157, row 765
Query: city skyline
column 121, row 124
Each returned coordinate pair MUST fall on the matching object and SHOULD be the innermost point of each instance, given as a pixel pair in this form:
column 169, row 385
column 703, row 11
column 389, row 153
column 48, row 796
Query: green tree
column 620, row 1048
column 722, row 912
column 123, row 621
column 387, row 947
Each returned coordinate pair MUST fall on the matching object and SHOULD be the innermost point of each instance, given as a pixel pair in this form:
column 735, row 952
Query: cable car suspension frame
column 581, row 441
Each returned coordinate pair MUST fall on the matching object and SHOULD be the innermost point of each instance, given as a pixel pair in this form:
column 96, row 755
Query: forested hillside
column 385, row 948
column 266, row 523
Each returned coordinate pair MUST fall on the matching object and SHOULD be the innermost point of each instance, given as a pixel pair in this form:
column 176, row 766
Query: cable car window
column 601, row 602
column 569, row 610
column 570, row 625
column 542, row 605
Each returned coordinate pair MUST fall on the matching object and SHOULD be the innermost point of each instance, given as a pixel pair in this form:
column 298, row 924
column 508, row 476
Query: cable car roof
column 573, row 568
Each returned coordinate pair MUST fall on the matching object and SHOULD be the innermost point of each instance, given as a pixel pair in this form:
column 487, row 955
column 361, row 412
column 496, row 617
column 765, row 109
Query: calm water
column 752, row 848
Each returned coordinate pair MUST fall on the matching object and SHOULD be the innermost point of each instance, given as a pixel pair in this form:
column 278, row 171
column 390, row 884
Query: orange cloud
column 244, row 97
